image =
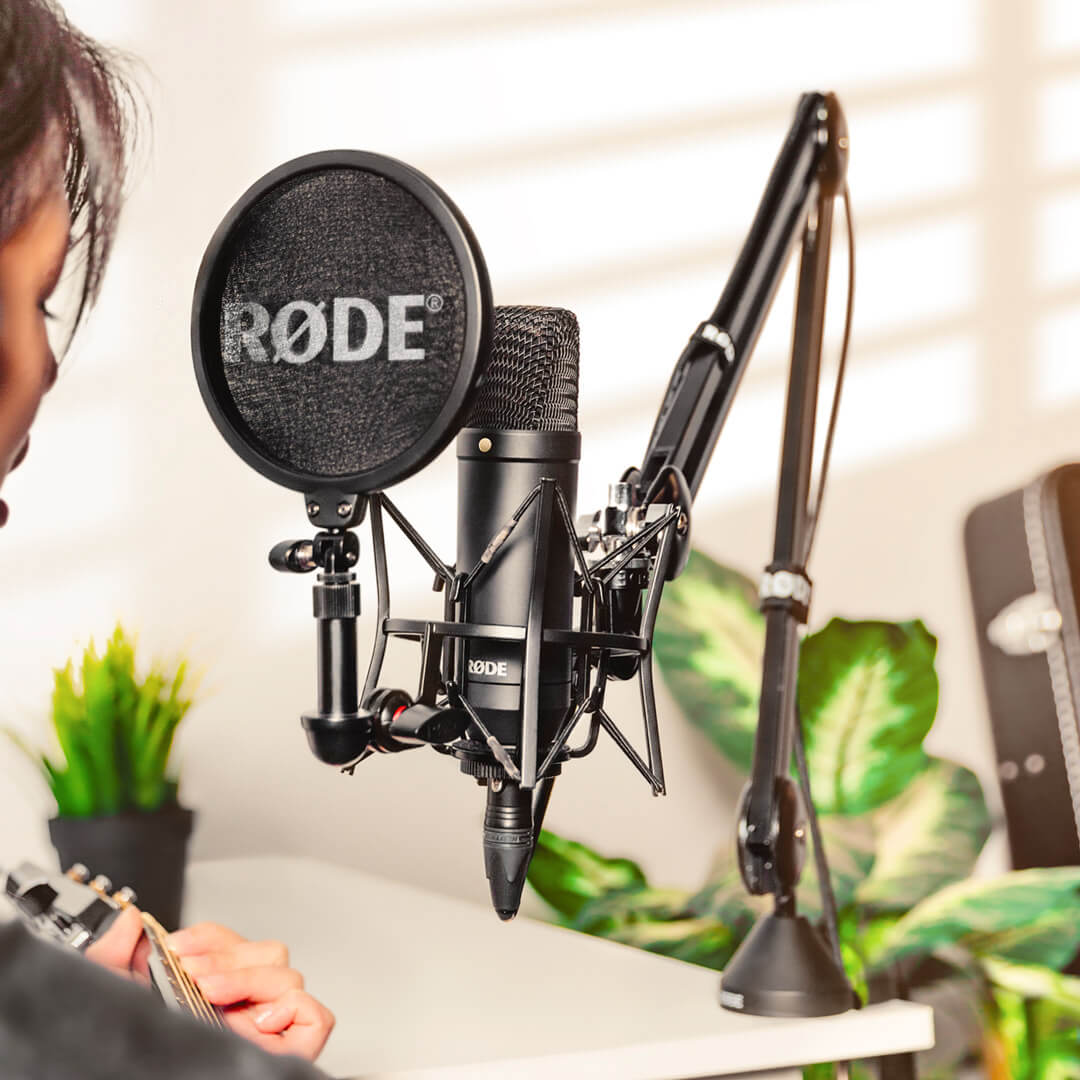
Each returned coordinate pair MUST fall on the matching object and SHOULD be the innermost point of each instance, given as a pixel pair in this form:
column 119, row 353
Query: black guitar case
column 1023, row 560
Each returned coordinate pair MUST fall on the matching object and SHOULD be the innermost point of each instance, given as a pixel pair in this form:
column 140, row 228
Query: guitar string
column 196, row 1001
column 178, row 975
column 209, row 1012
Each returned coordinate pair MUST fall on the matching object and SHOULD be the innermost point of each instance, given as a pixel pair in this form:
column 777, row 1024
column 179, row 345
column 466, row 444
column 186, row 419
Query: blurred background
column 609, row 157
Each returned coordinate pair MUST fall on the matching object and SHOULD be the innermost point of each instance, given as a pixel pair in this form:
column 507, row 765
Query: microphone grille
column 532, row 378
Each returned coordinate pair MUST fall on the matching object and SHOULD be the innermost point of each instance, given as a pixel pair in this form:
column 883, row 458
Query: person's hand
column 262, row 998
column 123, row 948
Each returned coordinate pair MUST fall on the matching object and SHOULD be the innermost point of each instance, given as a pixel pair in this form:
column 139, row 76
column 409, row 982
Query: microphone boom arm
column 796, row 206
column 783, row 968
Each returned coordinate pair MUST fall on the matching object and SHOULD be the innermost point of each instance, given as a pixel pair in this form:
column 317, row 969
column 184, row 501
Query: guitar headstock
column 72, row 908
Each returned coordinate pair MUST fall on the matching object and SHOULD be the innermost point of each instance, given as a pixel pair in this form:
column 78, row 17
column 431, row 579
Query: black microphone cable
column 814, row 513
column 828, row 896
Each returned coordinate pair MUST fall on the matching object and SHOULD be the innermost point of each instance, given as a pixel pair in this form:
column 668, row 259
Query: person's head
column 64, row 114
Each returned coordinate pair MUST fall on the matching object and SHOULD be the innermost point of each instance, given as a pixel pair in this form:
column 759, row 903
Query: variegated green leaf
column 568, row 874
column 1035, row 982
column 1058, row 1058
column 849, row 848
column 868, row 694
column 706, row 942
column 1034, row 1037
column 871, row 938
column 660, row 921
column 708, row 642
column 1052, row 938
column 724, row 898
column 994, row 917
column 612, row 911
column 928, row 837
column 1009, row 1039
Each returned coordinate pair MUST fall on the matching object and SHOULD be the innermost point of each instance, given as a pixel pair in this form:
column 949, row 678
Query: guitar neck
column 173, row 984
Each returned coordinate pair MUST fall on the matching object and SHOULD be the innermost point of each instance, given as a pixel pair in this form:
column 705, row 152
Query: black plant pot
column 147, row 851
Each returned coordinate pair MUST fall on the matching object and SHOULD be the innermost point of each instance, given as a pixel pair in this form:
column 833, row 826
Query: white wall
column 609, row 157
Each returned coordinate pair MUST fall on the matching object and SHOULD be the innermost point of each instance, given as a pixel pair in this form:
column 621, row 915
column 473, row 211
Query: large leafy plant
column 115, row 732
column 902, row 830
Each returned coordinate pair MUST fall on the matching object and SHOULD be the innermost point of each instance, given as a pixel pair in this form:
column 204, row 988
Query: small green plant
column 115, row 732
column 902, row 830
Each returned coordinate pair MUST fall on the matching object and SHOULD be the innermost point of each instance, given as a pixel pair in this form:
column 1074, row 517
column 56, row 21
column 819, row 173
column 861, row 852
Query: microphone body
column 522, row 431
column 497, row 470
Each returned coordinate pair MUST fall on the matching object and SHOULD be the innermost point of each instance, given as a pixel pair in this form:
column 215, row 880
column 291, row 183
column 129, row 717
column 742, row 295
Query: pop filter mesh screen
column 343, row 321
column 532, row 377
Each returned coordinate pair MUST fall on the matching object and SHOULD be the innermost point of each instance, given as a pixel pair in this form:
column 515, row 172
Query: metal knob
column 102, row 884
column 125, row 896
column 78, row 872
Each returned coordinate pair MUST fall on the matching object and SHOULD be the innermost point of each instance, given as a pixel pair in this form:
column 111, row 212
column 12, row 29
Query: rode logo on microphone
column 348, row 330
column 489, row 667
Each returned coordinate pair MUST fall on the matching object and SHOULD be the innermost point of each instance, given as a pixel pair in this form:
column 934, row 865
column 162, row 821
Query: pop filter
column 341, row 321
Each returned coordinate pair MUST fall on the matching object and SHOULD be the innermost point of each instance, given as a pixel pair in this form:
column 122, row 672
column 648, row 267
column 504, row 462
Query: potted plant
column 902, row 831
column 115, row 789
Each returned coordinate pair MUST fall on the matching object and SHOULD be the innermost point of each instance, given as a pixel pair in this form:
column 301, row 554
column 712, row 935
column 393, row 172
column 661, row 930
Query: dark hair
column 65, row 113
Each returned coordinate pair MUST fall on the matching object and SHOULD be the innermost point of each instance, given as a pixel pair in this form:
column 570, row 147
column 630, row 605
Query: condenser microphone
column 521, row 433
column 343, row 333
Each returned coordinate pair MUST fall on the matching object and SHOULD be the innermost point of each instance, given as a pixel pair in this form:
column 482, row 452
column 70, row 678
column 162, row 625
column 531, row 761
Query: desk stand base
column 783, row 968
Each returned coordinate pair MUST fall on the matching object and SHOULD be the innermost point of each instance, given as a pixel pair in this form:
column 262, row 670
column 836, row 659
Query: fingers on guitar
column 203, row 937
column 246, row 954
column 296, row 1024
column 293, row 1007
column 255, row 984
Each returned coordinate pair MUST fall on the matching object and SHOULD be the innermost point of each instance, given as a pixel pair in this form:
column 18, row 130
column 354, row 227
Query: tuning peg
column 125, row 896
column 78, row 872
column 102, row 884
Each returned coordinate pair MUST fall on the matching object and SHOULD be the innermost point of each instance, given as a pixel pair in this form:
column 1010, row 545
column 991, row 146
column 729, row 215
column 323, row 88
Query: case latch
column 1029, row 625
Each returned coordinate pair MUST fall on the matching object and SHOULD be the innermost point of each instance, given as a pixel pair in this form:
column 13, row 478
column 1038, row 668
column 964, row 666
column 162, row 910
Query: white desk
column 426, row 987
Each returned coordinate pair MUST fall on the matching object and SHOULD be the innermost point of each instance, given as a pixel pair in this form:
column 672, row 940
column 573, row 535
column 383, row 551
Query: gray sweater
column 64, row 1018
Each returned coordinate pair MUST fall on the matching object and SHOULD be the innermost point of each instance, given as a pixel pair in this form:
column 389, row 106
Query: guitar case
column 1023, row 561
